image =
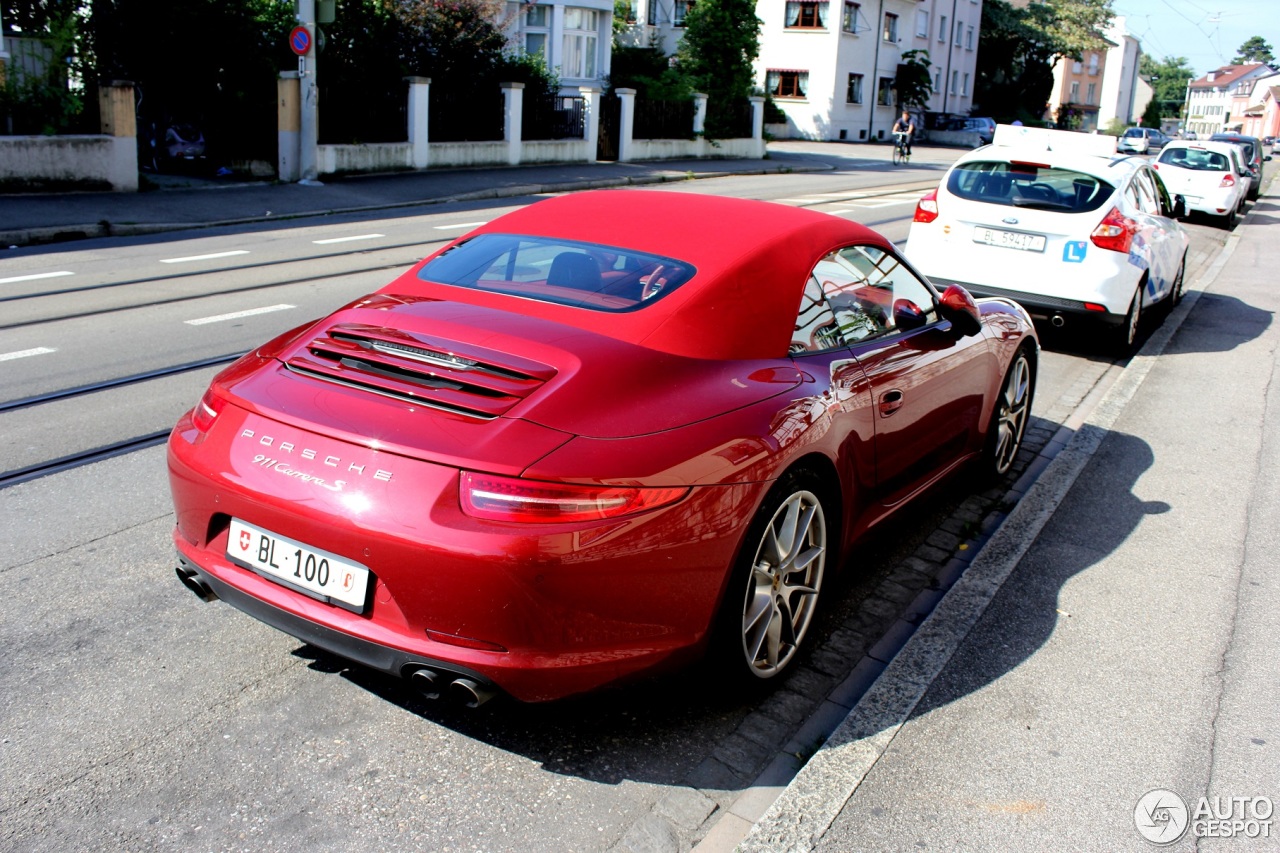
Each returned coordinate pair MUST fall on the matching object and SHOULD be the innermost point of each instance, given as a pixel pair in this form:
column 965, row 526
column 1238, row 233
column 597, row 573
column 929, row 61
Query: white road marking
column 347, row 239
column 236, row 315
column 205, row 257
column 35, row 276
column 461, row 225
column 10, row 356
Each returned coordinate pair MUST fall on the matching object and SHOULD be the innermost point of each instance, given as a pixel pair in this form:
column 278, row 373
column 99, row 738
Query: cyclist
column 907, row 127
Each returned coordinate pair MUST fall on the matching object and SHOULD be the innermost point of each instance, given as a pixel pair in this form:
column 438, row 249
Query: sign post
column 302, row 42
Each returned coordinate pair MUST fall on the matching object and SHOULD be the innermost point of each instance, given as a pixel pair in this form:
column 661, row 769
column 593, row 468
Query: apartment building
column 1215, row 103
column 1076, row 98
column 575, row 39
column 830, row 64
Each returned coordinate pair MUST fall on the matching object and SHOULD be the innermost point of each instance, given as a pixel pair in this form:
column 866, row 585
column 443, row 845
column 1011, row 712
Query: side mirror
column 1179, row 207
column 907, row 315
column 1266, row 157
column 958, row 307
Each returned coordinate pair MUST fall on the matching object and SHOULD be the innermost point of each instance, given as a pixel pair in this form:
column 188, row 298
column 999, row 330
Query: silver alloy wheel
column 1012, row 409
column 786, row 578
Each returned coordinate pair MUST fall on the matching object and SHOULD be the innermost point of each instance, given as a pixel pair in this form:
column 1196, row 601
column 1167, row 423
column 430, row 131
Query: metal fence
column 555, row 117
column 658, row 119
column 351, row 115
column 460, row 116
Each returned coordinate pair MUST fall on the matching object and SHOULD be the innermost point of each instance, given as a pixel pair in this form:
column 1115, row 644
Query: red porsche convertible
column 602, row 434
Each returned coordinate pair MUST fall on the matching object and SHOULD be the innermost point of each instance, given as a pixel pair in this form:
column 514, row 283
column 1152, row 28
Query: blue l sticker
column 1074, row 251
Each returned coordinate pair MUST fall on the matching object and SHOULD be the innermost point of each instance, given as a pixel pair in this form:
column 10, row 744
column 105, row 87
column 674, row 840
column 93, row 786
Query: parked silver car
column 1142, row 140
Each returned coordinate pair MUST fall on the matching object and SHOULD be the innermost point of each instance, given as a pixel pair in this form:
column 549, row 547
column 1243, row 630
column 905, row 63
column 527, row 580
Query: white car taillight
column 927, row 207
column 1115, row 232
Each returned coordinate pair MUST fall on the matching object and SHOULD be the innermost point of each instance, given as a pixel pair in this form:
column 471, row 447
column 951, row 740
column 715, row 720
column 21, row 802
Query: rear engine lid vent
column 420, row 371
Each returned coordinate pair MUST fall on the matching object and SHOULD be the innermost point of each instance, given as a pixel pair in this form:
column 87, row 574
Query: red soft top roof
column 752, row 259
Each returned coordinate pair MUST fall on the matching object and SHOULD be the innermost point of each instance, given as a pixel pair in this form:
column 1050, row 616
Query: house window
column 937, row 79
column 964, row 87
column 942, row 28
column 537, row 21
column 787, row 84
column 959, row 32
column 968, row 38
column 884, row 92
column 1074, row 97
column 680, row 8
column 581, row 40
column 955, row 81
column 890, row 27
column 651, row 12
column 806, row 15
column 1077, row 67
column 849, row 23
column 1093, row 88
column 1093, row 65
column 922, row 24
column 853, row 95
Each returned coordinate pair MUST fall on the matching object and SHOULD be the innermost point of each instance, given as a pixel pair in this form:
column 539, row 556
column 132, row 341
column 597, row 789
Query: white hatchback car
column 1211, row 176
column 1058, row 222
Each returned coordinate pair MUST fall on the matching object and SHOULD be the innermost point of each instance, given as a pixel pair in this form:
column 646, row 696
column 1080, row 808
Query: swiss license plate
column 296, row 564
column 1009, row 239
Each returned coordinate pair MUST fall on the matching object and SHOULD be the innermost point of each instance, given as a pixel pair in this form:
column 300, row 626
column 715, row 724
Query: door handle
column 890, row 402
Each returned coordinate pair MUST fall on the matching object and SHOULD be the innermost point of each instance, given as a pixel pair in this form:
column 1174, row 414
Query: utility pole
column 309, row 100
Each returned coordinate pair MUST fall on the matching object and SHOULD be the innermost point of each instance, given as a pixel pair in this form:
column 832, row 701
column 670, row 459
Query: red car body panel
column 695, row 390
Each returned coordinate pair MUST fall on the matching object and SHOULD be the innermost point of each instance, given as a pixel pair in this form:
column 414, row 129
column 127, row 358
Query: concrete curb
column 798, row 819
column 105, row 228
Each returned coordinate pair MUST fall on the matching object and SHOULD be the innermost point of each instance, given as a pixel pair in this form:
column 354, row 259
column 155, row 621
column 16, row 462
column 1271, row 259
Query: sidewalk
column 1116, row 636
column 35, row 218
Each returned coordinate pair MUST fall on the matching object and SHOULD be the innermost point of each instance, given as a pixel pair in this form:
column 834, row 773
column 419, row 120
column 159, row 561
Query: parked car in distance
column 1253, row 158
column 592, row 438
column 1210, row 176
column 1056, row 221
column 983, row 126
column 1142, row 140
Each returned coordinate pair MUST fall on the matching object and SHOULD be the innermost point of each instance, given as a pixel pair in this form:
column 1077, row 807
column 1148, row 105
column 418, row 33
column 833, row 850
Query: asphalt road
column 134, row 716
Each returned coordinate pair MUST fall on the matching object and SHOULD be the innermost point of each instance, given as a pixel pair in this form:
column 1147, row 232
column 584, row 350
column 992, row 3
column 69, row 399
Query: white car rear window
column 1028, row 185
column 1197, row 159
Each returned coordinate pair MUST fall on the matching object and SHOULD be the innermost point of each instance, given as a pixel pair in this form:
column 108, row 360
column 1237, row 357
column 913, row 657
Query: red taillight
column 532, row 502
column 1228, row 180
column 207, row 410
column 1114, row 232
column 927, row 207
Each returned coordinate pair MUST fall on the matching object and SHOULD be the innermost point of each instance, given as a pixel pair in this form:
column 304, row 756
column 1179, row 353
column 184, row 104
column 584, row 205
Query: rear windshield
column 1134, row 131
column 1243, row 143
column 601, row 278
column 1199, row 159
column 1029, row 185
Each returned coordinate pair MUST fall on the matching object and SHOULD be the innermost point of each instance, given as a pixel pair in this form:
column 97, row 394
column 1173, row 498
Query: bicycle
column 900, row 152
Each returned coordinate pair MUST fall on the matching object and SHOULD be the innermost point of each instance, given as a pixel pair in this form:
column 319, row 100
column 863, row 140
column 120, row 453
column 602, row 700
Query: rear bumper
column 1039, row 307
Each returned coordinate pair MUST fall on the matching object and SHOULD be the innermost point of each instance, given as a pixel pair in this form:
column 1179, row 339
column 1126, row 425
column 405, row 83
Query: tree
column 1169, row 79
column 1254, row 50
column 721, row 40
column 913, row 83
column 1018, row 46
column 1151, row 115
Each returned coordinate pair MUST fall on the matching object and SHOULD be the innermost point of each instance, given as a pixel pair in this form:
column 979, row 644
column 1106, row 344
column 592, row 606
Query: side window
column 851, row 296
column 1146, row 193
column 1162, row 194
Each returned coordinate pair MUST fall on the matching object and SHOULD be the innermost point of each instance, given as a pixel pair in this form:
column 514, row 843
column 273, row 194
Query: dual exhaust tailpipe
column 465, row 691
column 192, row 581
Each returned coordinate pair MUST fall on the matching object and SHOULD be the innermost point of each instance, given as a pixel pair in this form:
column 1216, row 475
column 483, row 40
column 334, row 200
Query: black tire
column 897, row 155
column 773, row 594
column 1228, row 219
column 1179, row 284
column 1010, row 414
column 1126, row 335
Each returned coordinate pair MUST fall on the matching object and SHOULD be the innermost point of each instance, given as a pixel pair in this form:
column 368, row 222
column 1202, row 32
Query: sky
column 1207, row 32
